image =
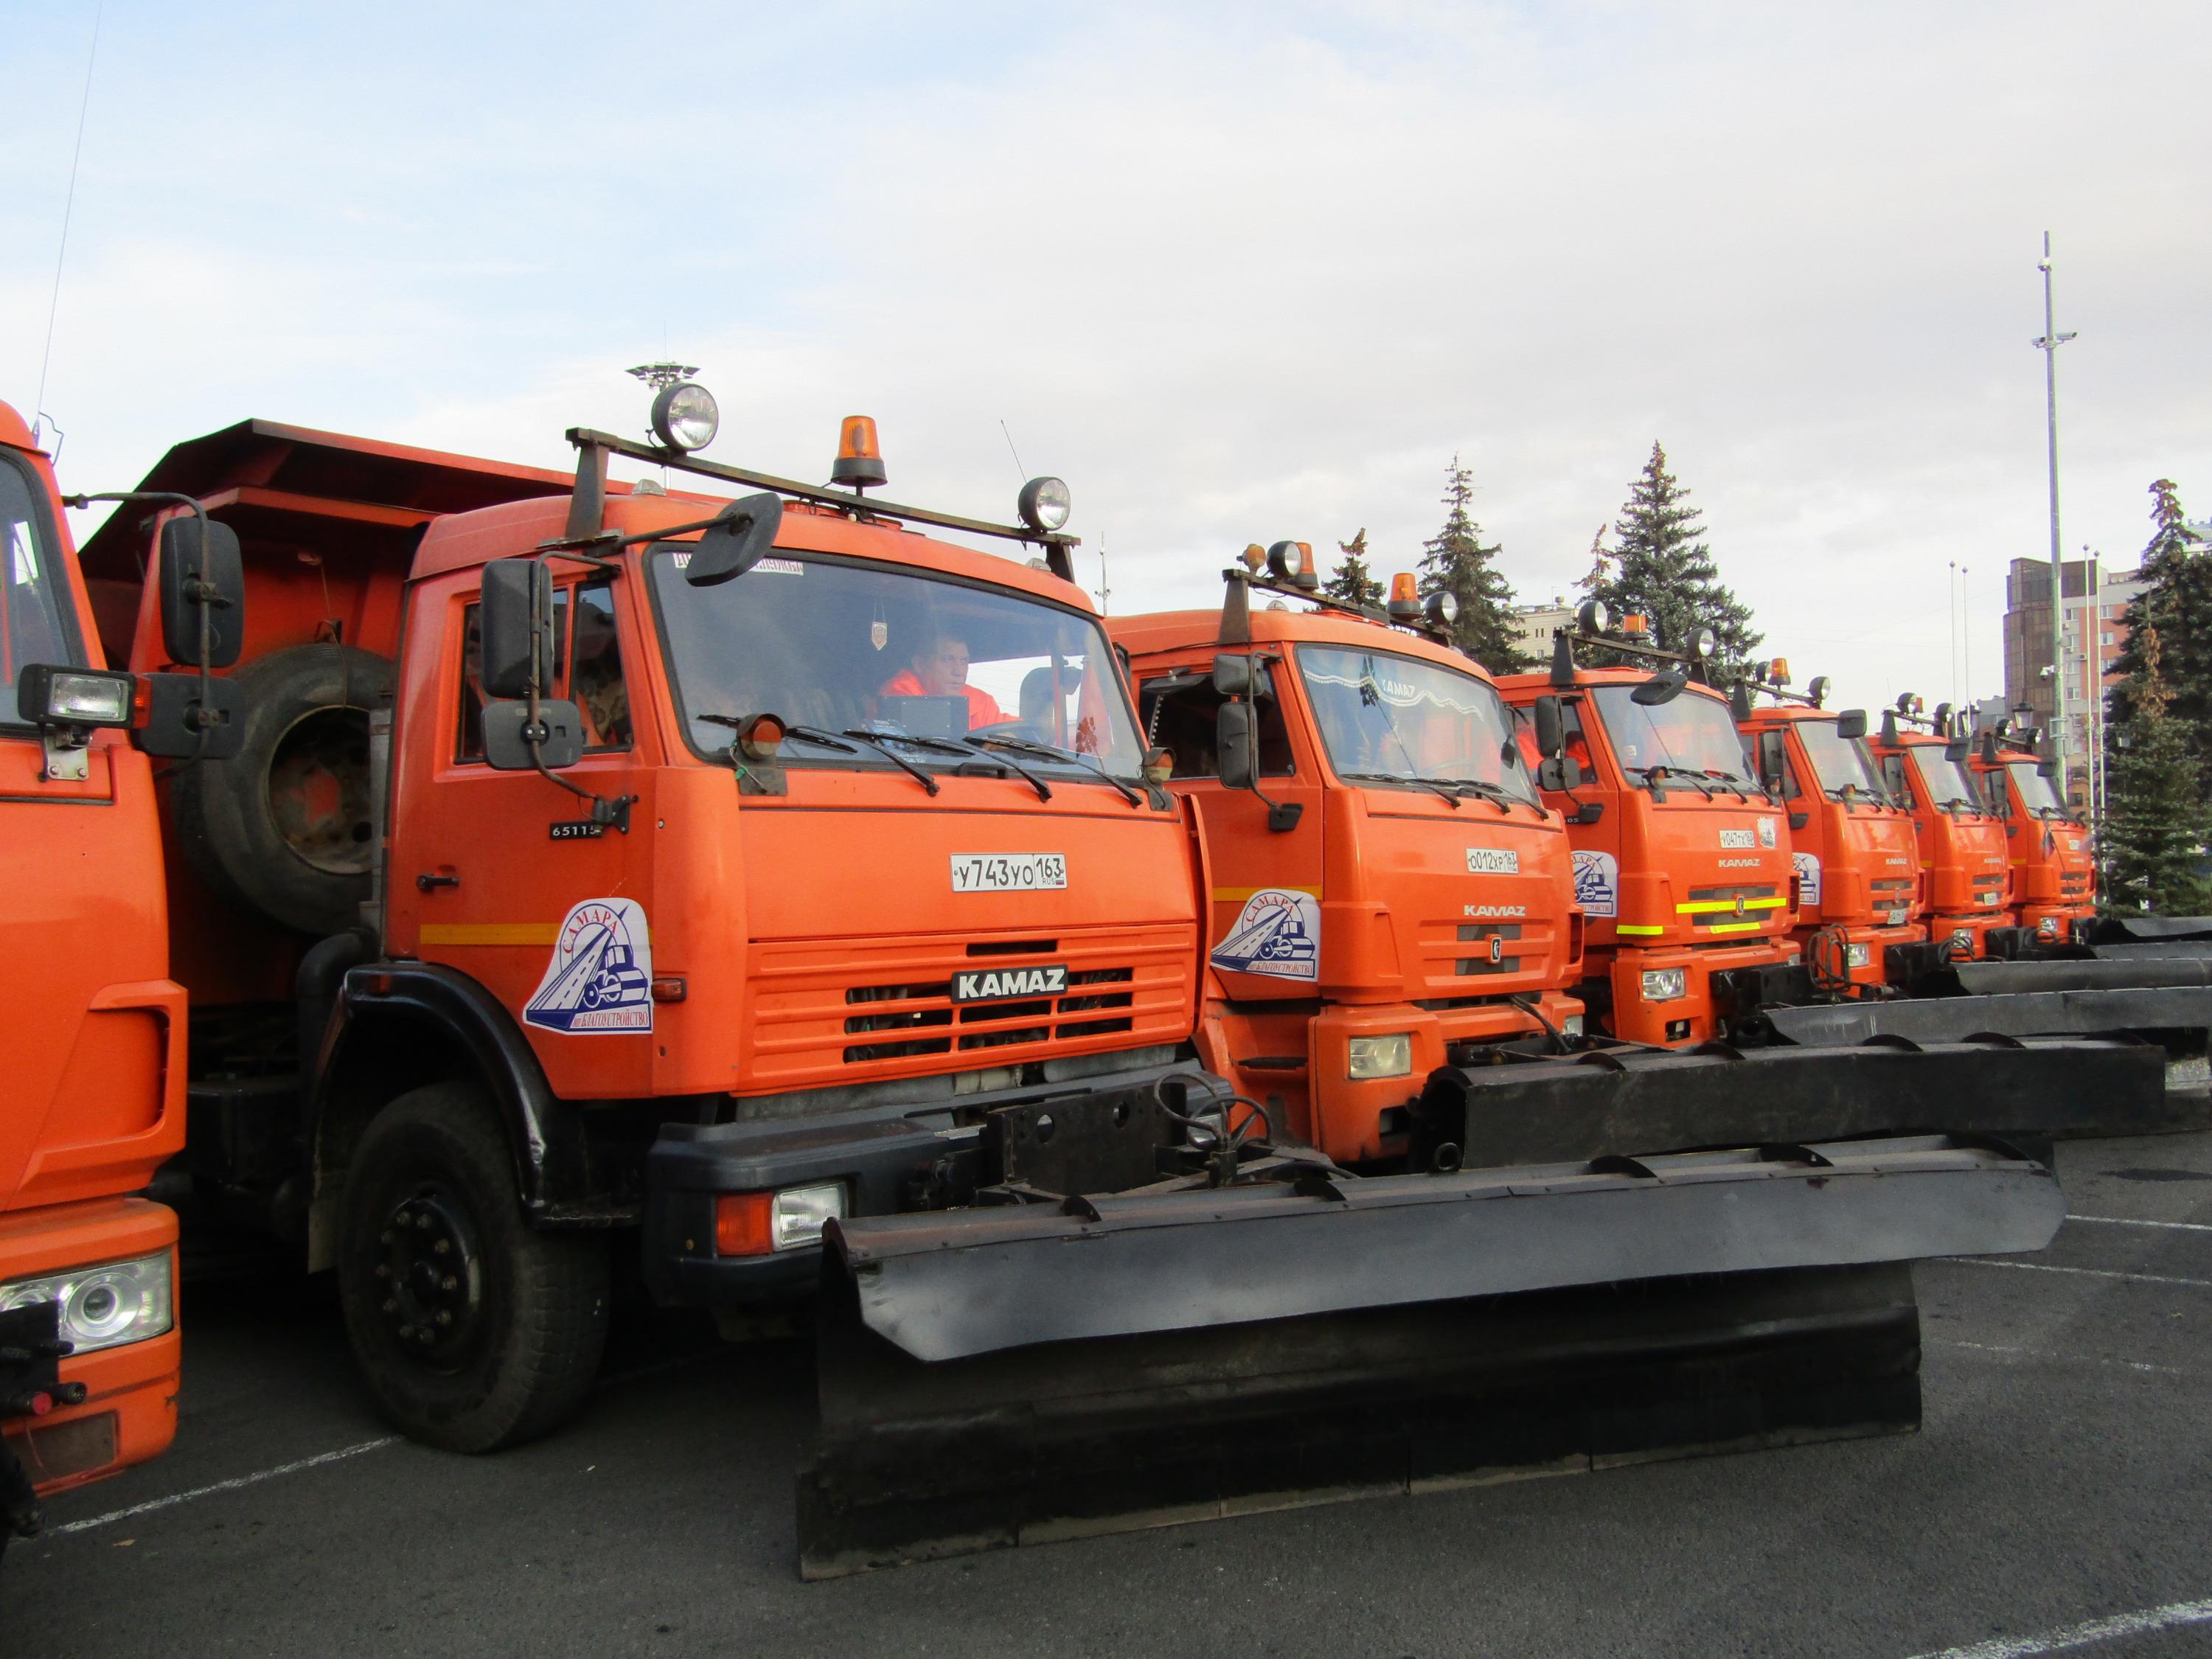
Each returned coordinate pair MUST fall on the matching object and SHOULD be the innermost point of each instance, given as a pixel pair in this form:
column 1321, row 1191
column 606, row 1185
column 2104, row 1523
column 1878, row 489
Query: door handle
column 430, row 883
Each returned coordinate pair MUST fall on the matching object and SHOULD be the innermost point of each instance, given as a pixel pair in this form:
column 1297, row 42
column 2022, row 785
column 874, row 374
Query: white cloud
column 1236, row 272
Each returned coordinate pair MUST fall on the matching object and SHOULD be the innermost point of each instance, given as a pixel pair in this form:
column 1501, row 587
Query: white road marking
column 232, row 1485
column 2083, row 1636
column 2124, row 1221
column 2090, row 1273
column 2064, row 1358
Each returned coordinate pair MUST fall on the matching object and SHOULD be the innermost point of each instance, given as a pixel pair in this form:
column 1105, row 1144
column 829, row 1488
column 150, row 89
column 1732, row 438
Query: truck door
column 1266, row 929
column 503, row 876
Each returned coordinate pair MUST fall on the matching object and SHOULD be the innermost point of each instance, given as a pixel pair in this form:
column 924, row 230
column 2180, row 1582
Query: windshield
column 1844, row 765
column 931, row 668
column 2037, row 793
column 1944, row 781
column 34, row 618
column 1383, row 717
column 1692, row 735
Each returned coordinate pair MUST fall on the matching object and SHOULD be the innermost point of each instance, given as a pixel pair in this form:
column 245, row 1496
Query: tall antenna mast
column 2048, row 344
column 68, row 206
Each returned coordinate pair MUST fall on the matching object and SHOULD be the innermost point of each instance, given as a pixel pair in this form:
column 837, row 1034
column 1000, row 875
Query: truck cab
column 1859, row 882
column 1962, row 846
column 2050, row 882
column 93, row 1099
column 1682, row 863
column 1389, row 893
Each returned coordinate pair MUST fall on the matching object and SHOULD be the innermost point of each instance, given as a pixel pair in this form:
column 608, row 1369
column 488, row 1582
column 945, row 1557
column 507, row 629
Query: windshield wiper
column 1736, row 784
column 1052, row 751
column 1662, row 769
column 1503, row 798
column 816, row 735
column 1450, row 795
column 975, row 745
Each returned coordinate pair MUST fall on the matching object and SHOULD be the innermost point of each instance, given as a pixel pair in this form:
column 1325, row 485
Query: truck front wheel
column 475, row 1330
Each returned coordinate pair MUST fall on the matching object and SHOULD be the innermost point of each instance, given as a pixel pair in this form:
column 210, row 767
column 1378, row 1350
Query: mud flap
column 998, row 1377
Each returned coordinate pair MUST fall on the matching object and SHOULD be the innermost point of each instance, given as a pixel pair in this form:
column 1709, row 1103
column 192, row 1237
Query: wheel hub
column 430, row 1268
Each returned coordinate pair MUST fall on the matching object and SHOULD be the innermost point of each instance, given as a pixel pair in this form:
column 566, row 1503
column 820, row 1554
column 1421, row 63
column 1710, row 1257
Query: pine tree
column 1457, row 563
column 1661, row 567
column 2175, row 602
column 1601, row 570
column 2157, row 823
column 1354, row 582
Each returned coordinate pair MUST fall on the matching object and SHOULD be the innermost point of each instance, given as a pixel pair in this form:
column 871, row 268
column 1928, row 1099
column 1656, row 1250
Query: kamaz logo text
column 1495, row 910
column 996, row 984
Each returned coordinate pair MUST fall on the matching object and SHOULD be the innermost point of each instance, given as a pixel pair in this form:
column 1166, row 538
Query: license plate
column 1738, row 838
column 1008, row 872
column 1493, row 861
column 1898, row 918
column 1000, row 984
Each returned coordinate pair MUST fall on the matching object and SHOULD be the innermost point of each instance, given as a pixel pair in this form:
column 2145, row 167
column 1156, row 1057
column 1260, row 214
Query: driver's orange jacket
column 982, row 707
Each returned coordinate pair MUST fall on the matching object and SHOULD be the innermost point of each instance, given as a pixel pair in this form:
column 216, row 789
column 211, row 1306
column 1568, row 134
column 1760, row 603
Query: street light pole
column 2048, row 344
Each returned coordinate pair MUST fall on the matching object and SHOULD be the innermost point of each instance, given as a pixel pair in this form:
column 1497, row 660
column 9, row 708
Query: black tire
column 526, row 1311
column 283, row 827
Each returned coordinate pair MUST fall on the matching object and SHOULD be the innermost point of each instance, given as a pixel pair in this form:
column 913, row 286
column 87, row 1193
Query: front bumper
column 887, row 1160
column 1695, row 1016
column 128, row 1411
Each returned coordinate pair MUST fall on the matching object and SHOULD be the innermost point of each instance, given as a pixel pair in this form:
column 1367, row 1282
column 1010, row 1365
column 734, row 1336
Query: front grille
column 1482, row 933
column 1714, row 909
column 816, row 1009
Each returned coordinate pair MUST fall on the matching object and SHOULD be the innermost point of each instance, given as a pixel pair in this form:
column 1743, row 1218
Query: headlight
column 1379, row 1056
column 73, row 696
column 1666, row 984
column 1571, row 1026
column 1044, row 504
column 685, row 417
column 1861, row 955
column 104, row 1306
column 797, row 1217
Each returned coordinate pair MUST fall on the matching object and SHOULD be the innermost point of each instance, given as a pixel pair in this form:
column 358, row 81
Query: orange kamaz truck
column 776, row 894
column 1962, row 848
column 1682, row 861
column 2051, row 885
column 1390, row 894
column 1859, row 882
column 91, row 1060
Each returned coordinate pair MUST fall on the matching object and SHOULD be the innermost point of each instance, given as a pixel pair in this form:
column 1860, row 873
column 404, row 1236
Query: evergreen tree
column 2156, row 823
column 1354, row 582
column 1661, row 566
column 1455, row 562
column 2175, row 603
column 1601, row 570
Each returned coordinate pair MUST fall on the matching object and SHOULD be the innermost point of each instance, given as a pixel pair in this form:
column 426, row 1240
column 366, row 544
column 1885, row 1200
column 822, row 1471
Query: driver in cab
column 939, row 669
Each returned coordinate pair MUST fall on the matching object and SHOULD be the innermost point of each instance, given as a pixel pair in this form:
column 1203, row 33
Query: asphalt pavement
column 2058, row 1498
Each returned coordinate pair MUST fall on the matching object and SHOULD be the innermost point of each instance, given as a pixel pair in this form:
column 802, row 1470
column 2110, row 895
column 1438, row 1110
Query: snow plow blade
column 1004, row 1375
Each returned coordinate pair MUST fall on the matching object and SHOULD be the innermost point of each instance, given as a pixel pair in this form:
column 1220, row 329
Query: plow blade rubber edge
column 1005, row 1376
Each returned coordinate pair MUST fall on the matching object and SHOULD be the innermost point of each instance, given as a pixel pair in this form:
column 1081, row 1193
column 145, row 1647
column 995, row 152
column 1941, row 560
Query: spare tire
column 284, row 828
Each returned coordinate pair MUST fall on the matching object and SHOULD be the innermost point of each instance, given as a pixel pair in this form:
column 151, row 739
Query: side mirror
column 517, row 623
column 1740, row 701
column 1893, row 777
column 187, row 716
column 1551, row 736
column 1850, row 723
column 1957, row 750
column 507, row 734
column 1660, row 689
column 1233, row 743
column 1232, row 675
column 202, row 593
column 1559, row 776
column 2048, row 768
column 734, row 543
column 1773, row 762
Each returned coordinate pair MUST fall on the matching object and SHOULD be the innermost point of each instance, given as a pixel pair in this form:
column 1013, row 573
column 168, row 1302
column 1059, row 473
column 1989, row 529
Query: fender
column 554, row 1175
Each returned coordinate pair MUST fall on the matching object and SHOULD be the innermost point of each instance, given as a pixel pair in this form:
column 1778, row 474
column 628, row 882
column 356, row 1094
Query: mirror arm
column 606, row 809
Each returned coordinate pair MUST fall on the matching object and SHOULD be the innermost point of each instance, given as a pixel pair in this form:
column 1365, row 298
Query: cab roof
column 1158, row 632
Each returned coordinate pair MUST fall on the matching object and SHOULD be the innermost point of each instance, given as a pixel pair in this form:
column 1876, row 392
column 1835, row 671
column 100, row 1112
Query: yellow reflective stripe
column 1625, row 928
column 1736, row 928
column 1238, row 894
column 489, row 932
column 1709, row 906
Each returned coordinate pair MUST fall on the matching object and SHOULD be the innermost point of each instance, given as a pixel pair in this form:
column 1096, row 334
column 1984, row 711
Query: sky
column 1238, row 273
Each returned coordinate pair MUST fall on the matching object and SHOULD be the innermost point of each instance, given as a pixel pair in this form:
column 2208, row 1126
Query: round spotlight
column 685, row 416
column 1704, row 643
column 1595, row 616
column 1287, row 562
column 1443, row 608
column 1044, row 504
